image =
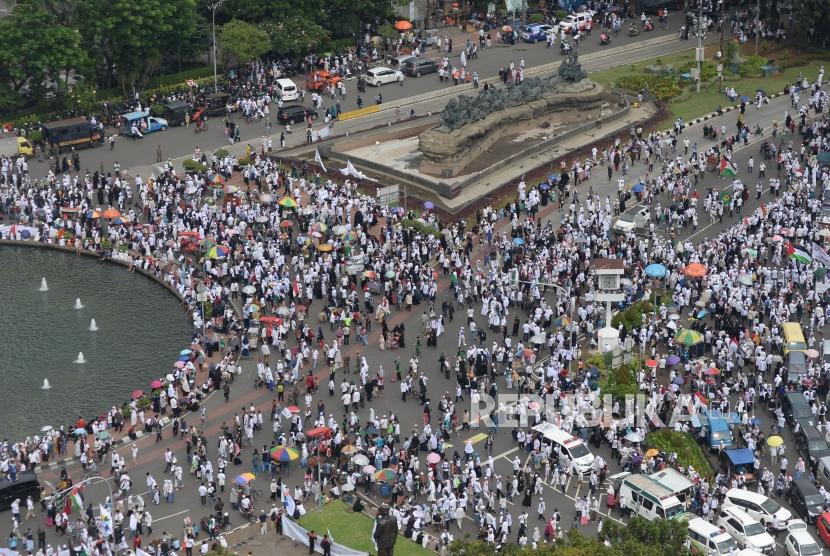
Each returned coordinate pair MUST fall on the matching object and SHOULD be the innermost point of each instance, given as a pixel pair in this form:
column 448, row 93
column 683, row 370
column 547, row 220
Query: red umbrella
column 137, row 394
column 712, row 371
column 319, row 432
column 651, row 363
column 293, row 409
column 271, row 320
column 155, row 384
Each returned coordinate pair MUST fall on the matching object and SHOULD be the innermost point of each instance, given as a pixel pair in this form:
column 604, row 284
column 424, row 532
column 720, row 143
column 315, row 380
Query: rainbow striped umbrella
column 385, row 475
column 284, row 453
column 244, row 478
column 218, row 252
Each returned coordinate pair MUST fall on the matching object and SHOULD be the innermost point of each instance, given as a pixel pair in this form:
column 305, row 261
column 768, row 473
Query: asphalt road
column 416, row 94
column 168, row 517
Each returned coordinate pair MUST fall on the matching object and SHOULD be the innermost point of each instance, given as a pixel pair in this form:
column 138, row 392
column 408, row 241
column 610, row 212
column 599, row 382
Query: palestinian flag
column 727, row 168
column 799, row 253
column 74, row 502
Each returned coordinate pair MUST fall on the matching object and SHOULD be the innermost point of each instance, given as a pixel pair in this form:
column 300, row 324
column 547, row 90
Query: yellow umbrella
column 774, row 441
column 651, row 452
column 325, row 247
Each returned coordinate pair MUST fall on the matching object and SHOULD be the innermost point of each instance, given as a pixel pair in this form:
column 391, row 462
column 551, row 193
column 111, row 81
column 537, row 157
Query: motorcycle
column 565, row 47
column 604, row 39
column 648, row 25
column 633, row 30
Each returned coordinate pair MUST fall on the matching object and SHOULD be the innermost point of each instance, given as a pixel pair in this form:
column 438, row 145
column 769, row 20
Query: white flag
column 319, row 160
column 106, row 520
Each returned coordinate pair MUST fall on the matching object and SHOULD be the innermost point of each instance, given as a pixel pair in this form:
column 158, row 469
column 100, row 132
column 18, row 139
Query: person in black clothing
column 325, row 544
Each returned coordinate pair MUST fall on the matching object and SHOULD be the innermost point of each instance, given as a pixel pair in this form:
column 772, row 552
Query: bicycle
column 256, row 494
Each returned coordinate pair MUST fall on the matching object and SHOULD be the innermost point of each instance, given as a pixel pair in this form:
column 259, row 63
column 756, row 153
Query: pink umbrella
column 433, row 458
column 155, row 384
column 811, row 353
column 179, row 364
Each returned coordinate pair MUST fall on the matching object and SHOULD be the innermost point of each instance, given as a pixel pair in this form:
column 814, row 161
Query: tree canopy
column 242, row 41
column 639, row 536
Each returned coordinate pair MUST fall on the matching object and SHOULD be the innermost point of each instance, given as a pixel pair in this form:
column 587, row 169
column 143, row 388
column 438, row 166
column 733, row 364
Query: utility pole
column 213, row 6
column 699, row 49
column 722, row 24
column 757, row 24
column 524, row 16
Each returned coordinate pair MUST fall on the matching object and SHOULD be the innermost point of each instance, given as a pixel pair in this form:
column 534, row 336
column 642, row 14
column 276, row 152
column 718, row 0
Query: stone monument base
column 447, row 153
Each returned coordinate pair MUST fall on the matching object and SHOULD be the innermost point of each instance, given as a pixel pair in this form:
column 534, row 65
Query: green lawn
column 710, row 97
column 352, row 530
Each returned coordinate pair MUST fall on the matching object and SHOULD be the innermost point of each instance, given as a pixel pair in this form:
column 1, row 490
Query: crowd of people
column 288, row 240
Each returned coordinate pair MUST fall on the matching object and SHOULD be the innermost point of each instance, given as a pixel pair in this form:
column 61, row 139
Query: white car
column 796, row 525
column 801, row 543
column 578, row 20
column 749, row 532
column 382, row 76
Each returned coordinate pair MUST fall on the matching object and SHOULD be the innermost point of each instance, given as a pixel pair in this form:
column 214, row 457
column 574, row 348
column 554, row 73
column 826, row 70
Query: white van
column 643, row 496
column 766, row 510
column 581, row 458
column 705, row 538
column 287, row 90
column 749, row 532
column 675, row 481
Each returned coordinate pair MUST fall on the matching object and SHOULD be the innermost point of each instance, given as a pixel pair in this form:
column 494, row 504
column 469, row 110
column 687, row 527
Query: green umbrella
column 689, row 337
column 824, row 157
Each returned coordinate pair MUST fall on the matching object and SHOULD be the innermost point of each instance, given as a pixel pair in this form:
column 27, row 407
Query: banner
column 821, row 256
column 297, row 533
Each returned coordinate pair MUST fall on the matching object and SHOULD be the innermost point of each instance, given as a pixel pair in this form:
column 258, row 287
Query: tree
column 38, row 52
column 242, row 41
column 640, row 537
column 128, row 39
column 813, row 16
column 295, row 36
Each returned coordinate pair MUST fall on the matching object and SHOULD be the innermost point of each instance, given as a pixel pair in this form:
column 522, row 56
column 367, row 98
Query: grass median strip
column 352, row 529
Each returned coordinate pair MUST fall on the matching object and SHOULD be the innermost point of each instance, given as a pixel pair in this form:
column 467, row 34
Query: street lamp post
column 572, row 303
column 88, row 481
column 699, row 49
column 213, row 6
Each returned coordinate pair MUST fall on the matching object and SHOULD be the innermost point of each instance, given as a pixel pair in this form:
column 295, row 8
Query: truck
column 16, row 146
column 74, row 132
column 632, row 222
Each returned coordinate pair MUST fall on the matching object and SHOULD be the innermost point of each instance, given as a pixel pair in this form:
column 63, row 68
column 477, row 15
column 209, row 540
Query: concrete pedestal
column 608, row 339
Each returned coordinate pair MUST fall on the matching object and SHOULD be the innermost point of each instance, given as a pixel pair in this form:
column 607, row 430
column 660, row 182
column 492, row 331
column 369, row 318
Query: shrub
column 192, row 166
column 633, row 316
column 559, row 14
column 683, row 444
column 663, row 88
column 751, row 66
column 243, row 161
column 143, row 401
column 536, row 18
column 622, row 381
column 157, row 110
column 220, row 153
column 35, row 136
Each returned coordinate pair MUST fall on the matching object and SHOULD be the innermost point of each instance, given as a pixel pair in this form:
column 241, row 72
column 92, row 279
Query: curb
column 726, row 110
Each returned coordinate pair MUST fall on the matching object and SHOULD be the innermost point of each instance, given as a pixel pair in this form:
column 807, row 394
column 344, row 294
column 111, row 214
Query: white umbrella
column 191, row 189
column 360, row 460
column 262, row 218
column 249, row 290
column 633, row 437
column 348, row 487
column 265, row 197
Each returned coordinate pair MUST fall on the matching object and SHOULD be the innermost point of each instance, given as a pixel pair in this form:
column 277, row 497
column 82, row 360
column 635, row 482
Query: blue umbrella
column 518, row 241
column 638, row 187
column 701, row 314
column 184, row 358
column 184, row 352
column 79, row 431
column 678, row 380
column 655, row 270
